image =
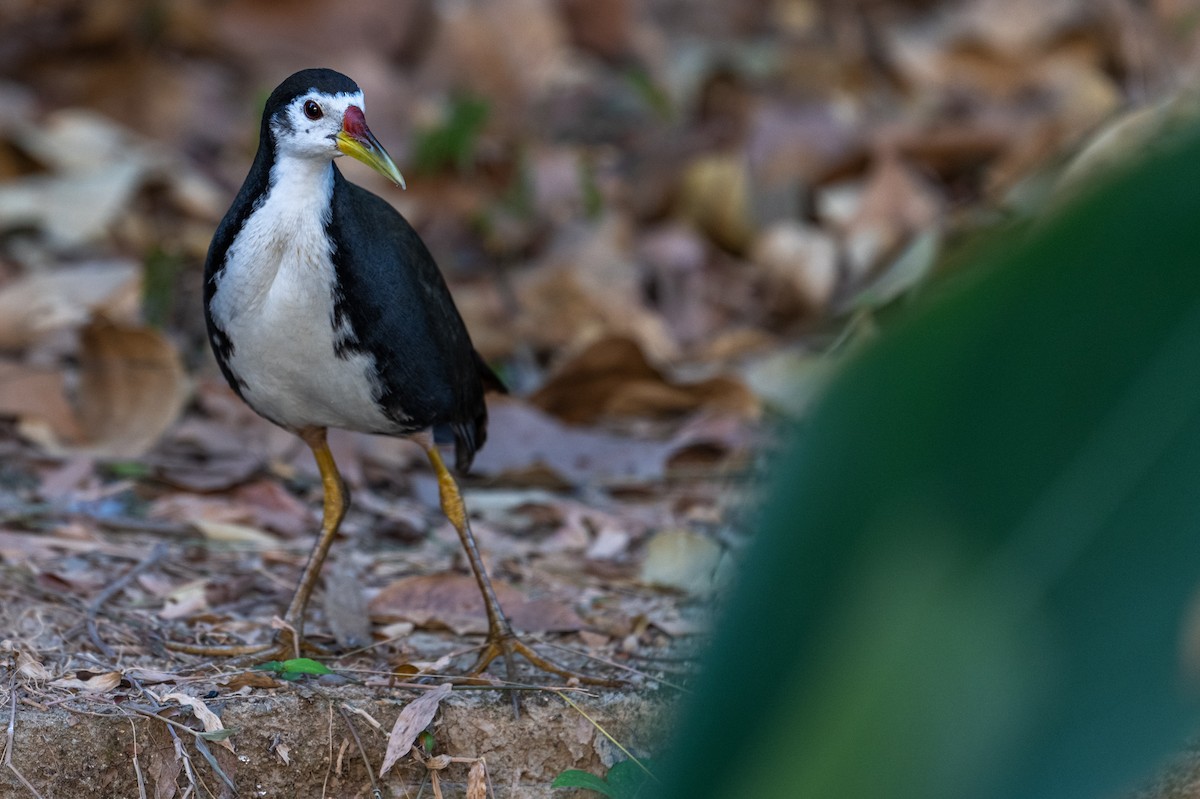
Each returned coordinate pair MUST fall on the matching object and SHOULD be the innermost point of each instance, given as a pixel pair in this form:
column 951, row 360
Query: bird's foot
column 506, row 644
column 288, row 644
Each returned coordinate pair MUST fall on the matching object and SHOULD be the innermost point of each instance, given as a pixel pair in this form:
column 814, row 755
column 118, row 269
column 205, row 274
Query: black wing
column 400, row 311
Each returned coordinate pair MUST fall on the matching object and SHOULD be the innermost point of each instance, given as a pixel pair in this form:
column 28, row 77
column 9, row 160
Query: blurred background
column 716, row 184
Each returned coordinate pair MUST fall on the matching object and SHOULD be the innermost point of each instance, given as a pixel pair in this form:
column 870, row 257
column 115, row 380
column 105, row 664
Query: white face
column 308, row 126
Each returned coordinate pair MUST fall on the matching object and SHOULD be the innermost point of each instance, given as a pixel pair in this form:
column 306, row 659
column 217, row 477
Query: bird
column 325, row 309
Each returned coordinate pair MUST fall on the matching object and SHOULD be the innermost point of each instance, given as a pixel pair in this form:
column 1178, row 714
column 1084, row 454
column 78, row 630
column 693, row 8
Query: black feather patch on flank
column 402, row 314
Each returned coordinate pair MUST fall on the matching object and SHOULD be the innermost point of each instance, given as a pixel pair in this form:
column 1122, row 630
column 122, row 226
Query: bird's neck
column 301, row 186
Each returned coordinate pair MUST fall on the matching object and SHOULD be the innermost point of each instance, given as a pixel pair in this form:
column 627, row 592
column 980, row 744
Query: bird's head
column 318, row 114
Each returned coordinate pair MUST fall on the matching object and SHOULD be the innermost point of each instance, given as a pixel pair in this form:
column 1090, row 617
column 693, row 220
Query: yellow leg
column 290, row 640
column 501, row 641
column 334, row 511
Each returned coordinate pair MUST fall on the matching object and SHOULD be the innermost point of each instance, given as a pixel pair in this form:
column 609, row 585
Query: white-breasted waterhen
column 325, row 309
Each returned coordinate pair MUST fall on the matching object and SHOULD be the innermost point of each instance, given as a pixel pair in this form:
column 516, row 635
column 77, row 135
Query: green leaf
column 975, row 571
column 304, row 666
column 294, row 668
column 574, row 778
column 217, row 735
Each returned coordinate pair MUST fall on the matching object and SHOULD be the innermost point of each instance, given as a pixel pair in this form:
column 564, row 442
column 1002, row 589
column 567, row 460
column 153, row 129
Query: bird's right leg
column 289, row 641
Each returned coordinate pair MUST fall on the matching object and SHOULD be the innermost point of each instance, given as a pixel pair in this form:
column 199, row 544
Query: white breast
column 274, row 300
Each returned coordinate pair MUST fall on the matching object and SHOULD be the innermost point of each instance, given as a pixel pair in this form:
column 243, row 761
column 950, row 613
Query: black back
column 401, row 312
column 388, row 288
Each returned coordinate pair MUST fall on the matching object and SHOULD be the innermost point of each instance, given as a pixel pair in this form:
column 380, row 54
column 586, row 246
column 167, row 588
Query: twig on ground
column 137, row 766
column 8, row 742
column 375, row 792
column 329, row 758
column 93, row 608
column 185, row 758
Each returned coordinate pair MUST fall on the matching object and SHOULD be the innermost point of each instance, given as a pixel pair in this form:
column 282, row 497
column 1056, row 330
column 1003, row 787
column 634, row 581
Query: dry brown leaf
column 250, row 679
column 477, row 780
column 163, row 764
column 414, row 717
column 28, row 666
column 151, row 676
column 800, row 265
column 36, row 398
column 509, row 52
column 895, row 204
column 586, row 287
column 186, row 600
column 241, row 534
column 72, row 210
column 453, row 601
column 95, row 684
column 210, row 720
column 613, row 378
column 132, row 388
column 525, row 443
column 32, row 306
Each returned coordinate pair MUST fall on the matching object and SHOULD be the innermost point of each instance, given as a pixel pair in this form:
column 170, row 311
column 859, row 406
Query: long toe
column 507, row 646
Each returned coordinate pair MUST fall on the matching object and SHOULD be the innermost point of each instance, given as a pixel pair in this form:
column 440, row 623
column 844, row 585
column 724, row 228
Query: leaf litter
column 664, row 233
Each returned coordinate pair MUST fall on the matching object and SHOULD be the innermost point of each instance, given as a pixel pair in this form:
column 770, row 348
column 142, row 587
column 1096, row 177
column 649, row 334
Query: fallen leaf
column 613, row 378
column 681, row 559
column 99, row 683
column 132, row 388
column 800, row 266
column 477, row 780
column 525, row 443
column 150, row 676
column 230, row 533
column 28, row 666
column 896, row 203
column 186, row 600
column 414, row 717
column 523, row 439
column 66, row 297
column 36, row 396
column 163, row 764
column 71, row 210
column 211, row 721
column 454, row 601
column 250, row 679
column 588, row 286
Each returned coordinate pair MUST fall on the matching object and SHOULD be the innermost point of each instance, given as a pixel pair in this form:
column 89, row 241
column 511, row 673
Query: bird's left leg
column 290, row 640
column 501, row 640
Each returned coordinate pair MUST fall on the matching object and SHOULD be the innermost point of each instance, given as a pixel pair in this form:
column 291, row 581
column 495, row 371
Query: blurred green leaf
column 975, row 574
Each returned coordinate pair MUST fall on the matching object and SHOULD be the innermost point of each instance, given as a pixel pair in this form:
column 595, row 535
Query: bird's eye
column 312, row 110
